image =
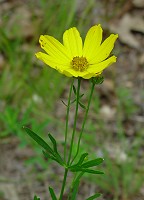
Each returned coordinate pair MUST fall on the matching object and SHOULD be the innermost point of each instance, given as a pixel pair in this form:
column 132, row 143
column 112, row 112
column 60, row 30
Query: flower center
column 79, row 63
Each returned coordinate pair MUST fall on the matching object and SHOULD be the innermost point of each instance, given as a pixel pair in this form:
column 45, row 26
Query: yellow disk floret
column 79, row 63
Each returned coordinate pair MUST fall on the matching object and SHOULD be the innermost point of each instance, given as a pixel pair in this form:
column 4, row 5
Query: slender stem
column 75, row 120
column 63, row 185
column 67, row 118
column 84, row 121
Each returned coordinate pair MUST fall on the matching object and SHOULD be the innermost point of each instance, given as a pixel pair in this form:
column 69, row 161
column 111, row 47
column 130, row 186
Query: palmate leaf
column 53, row 196
column 94, row 196
column 36, row 198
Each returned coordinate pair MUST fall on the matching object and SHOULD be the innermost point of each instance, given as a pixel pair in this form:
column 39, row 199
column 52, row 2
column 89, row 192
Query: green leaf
column 94, row 196
column 48, row 156
column 83, row 156
column 39, row 140
column 36, row 198
column 75, row 185
column 74, row 90
column 80, row 96
column 91, row 171
column 53, row 196
column 54, row 142
column 55, row 148
column 92, row 163
column 82, row 105
column 75, row 190
column 64, row 103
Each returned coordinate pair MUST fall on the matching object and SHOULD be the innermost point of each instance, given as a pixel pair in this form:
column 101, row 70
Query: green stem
column 63, row 185
column 75, row 120
column 67, row 118
column 84, row 121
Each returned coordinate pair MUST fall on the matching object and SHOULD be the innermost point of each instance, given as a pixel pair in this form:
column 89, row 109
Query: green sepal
column 94, row 196
column 39, row 140
column 97, row 80
column 92, row 163
column 53, row 196
column 36, row 198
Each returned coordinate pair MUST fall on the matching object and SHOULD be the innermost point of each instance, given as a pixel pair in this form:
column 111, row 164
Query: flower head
column 73, row 58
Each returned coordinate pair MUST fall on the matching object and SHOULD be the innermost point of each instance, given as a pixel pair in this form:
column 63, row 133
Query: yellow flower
column 73, row 58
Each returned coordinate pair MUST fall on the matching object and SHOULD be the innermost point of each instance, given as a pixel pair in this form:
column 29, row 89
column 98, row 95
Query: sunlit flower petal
column 54, row 48
column 104, row 50
column 72, row 59
column 92, row 41
column 99, row 67
column 54, row 63
column 73, row 42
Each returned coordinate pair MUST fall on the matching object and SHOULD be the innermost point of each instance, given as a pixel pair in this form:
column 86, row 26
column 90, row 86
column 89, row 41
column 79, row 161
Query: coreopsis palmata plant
column 76, row 60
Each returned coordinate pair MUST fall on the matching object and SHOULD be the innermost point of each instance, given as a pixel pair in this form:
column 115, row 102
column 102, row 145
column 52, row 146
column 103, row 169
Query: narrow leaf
column 75, row 190
column 83, row 156
column 92, row 163
column 82, row 105
column 54, row 142
column 74, row 90
column 53, row 196
column 80, row 96
column 39, row 140
column 91, row 171
column 94, row 196
column 64, row 103
column 48, row 156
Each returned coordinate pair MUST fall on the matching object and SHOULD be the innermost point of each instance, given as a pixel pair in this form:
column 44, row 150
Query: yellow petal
column 73, row 42
column 98, row 68
column 51, row 61
column 104, row 50
column 54, row 48
column 92, row 41
column 71, row 72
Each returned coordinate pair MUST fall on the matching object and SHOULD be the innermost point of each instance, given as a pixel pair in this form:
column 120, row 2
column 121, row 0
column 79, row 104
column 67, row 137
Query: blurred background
column 31, row 94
